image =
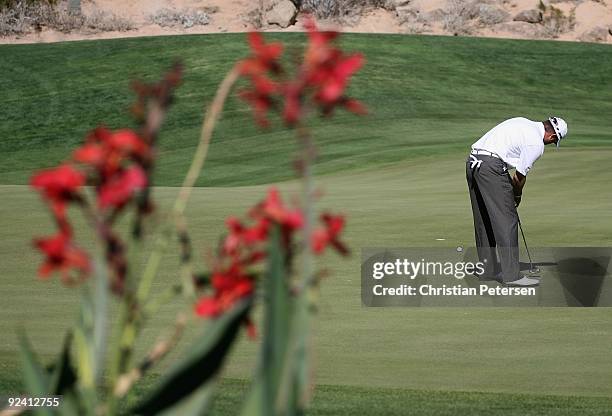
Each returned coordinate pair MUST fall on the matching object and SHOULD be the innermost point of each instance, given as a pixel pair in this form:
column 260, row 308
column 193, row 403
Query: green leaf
column 200, row 365
column 85, row 356
column 99, row 307
column 36, row 377
column 277, row 319
column 278, row 311
column 86, row 364
column 298, row 384
column 71, row 405
column 196, row 404
column 63, row 376
column 294, row 390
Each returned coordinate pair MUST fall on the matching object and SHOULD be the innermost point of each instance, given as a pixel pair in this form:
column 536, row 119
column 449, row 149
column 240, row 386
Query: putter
column 533, row 269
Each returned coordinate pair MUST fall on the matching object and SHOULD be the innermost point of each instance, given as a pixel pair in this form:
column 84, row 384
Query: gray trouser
column 495, row 216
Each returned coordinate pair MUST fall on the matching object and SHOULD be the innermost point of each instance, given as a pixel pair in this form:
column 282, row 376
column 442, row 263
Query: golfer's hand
column 517, row 200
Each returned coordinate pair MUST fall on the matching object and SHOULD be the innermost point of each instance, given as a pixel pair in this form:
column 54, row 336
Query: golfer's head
column 555, row 129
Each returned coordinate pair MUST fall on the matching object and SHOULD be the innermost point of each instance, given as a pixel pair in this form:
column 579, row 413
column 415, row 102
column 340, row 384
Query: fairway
column 399, row 177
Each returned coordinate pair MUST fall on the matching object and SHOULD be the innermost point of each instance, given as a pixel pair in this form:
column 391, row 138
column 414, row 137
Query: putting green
column 538, row 350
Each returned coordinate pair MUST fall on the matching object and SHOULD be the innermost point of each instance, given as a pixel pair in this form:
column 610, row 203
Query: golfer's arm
column 518, row 182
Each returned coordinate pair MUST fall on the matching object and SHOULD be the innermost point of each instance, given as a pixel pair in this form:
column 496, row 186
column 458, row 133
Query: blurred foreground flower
column 319, row 81
column 118, row 165
column 246, row 246
column 63, row 257
column 269, row 252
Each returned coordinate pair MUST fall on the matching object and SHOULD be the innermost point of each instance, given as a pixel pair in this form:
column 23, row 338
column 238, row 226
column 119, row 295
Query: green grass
column 427, row 95
column 398, row 175
column 349, row 401
column 334, row 400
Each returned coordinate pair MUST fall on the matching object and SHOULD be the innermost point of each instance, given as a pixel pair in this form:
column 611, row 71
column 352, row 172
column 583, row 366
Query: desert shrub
column 330, row 9
column 108, row 22
column 555, row 22
column 5, row 4
column 186, row 18
column 415, row 27
column 13, row 21
column 461, row 16
column 412, row 21
column 320, row 8
column 21, row 16
column 457, row 18
column 63, row 20
column 24, row 16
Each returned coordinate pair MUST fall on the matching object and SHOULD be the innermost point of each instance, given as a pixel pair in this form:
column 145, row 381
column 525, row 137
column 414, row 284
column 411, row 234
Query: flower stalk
column 197, row 164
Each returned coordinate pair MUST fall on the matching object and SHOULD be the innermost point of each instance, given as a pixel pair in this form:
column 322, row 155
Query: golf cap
column 560, row 127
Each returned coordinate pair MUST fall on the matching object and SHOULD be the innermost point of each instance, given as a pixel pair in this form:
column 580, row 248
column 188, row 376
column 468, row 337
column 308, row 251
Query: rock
column 610, row 30
column 523, row 29
column 597, row 34
column 280, row 12
column 489, row 15
column 529, row 16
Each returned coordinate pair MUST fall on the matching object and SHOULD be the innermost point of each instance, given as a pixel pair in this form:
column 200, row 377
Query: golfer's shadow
column 582, row 279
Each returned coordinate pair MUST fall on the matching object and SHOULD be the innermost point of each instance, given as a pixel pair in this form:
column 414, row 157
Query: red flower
column 264, row 60
column 207, row 307
column 241, row 248
column 331, row 78
column 231, row 281
column 93, row 154
column 319, row 46
column 272, row 207
column 264, row 56
column 241, row 236
column 120, row 189
column 129, row 143
column 230, row 286
column 293, row 102
column 234, row 238
column 328, row 70
column 59, row 184
column 329, row 234
column 269, row 211
column 260, row 97
column 107, row 151
column 322, row 77
column 62, row 256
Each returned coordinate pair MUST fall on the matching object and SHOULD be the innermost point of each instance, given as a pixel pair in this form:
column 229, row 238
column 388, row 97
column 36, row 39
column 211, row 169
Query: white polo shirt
column 517, row 141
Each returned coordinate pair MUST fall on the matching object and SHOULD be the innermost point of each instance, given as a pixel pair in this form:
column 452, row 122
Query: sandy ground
column 233, row 16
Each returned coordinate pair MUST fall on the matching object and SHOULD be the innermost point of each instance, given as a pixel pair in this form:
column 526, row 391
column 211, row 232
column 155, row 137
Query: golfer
column 495, row 194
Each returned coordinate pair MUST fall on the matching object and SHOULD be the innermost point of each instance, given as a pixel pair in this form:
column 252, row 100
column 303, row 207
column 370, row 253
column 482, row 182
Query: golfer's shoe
column 523, row 282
